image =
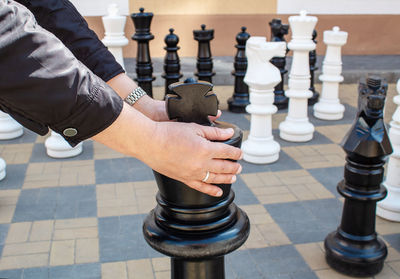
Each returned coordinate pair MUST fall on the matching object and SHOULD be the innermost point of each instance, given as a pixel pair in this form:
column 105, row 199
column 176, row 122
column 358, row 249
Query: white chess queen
column 261, row 77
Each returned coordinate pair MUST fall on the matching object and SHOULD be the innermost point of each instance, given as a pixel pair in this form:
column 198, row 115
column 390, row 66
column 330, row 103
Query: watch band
column 135, row 95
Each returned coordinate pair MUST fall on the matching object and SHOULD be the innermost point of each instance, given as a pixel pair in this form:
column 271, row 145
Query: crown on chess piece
column 335, row 37
column 203, row 34
column 302, row 26
column 142, row 22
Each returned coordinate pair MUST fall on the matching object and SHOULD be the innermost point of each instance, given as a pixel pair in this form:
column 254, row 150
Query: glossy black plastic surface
column 172, row 64
column 313, row 61
column 204, row 63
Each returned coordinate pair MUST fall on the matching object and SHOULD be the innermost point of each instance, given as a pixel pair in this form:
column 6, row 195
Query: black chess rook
column 240, row 98
column 172, row 65
column 144, row 66
column 354, row 248
column 196, row 230
column 313, row 61
column 278, row 32
column 204, row 63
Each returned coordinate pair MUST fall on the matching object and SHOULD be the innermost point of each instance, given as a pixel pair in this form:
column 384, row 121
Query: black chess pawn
column 355, row 249
column 278, row 32
column 313, row 61
column 204, row 58
column 144, row 66
column 172, row 65
column 240, row 97
column 196, row 230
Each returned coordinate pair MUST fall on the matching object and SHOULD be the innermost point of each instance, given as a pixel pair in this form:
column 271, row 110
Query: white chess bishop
column 58, row 147
column 389, row 208
column 114, row 40
column 329, row 106
column 9, row 128
column 261, row 77
column 296, row 127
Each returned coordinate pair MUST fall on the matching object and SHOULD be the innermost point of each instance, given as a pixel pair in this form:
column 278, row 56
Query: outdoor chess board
column 82, row 217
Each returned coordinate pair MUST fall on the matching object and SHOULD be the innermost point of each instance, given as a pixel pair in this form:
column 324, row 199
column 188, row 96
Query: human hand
column 183, row 151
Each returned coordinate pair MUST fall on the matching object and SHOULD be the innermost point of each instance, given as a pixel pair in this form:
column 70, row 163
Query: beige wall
column 204, row 7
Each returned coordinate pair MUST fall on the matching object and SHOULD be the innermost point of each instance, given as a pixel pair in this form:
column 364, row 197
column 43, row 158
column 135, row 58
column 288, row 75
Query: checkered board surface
column 82, row 217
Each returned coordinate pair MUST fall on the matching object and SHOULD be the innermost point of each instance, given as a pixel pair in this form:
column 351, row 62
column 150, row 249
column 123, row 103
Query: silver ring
column 207, row 175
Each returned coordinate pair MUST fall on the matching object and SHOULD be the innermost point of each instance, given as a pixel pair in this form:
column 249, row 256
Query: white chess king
column 296, row 127
column 114, row 39
column 329, row 106
column 389, row 208
column 261, row 77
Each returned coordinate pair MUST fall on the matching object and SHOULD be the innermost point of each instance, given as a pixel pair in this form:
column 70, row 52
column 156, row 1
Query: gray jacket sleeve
column 43, row 85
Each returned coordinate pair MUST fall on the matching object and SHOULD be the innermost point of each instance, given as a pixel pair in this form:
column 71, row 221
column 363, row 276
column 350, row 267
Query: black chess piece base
column 314, row 98
column 238, row 103
column 355, row 257
column 280, row 100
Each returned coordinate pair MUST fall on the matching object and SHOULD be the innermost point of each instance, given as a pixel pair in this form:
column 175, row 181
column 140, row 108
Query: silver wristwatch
column 135, row 95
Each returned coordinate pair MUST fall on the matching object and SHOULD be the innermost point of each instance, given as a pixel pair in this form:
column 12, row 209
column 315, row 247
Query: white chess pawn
column 296, row 127
column 58, row 147
column 261, row 77
column 9, row 128
column 389, row 208
column 2, row 169
column 329, row 106
column 114, row 39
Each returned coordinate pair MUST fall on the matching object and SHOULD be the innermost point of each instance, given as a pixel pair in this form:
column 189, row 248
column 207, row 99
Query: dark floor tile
column 15, row 176
column 27, row 137
column 39, row 153
column 329, row 177
column 121, row 170
column 243, row 195
column 11, row 274
column 81, row 271
column 394, row 240
column 318, row 138
column 238, row 119
column 36, row 273
column 56, row 203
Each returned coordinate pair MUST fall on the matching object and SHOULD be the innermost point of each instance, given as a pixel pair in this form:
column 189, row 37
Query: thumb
column 213, row 133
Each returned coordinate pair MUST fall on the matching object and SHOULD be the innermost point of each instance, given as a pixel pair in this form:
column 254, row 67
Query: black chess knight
column 355, row 249
column 144, row 66
column 240, row 98
column 313, row 61
column 278, row 32
column 204, row 63
column 194, row 229
column 172, row 65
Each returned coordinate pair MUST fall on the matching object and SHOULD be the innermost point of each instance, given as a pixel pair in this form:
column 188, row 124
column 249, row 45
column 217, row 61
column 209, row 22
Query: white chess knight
column 296, row 127
column 9, row 128
column 329, row 106
column 58, row 147
column 261, row 77
column 389, row 208
column 114, row 25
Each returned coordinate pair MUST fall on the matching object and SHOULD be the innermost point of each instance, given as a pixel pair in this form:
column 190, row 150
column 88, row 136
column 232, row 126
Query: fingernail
column 227, row 131
column 233, row 179
column 219, row 193
column 239, row 169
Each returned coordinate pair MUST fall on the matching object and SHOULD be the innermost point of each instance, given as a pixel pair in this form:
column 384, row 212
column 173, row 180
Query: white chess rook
column 389, row 208
column 261, row 77
column 329, row 106
column 2, row 169
column 9, row 128
column 58, row 147
column 296, row 127
column 114, row 39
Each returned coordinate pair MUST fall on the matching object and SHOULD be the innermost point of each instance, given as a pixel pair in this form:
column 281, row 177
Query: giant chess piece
column 196, row 230
column 389, row 208
column 354, row 249
column 312, row 58
column 114, row 40
column 278, row 32
column 2, row 169
column 58, row 147
column 262, row 76
column 240, row 98
column 172, row 65
column 144, row 66
column 296, row 127
column 204, row 63
column 329, row 106
column 9, row 128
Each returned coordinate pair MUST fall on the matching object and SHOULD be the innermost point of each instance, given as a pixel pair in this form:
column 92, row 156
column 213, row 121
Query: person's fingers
column 220, row 166
column 224, row 151
column 205, row 188
column 213, row 133
column 213, row 118
column 220, row 178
